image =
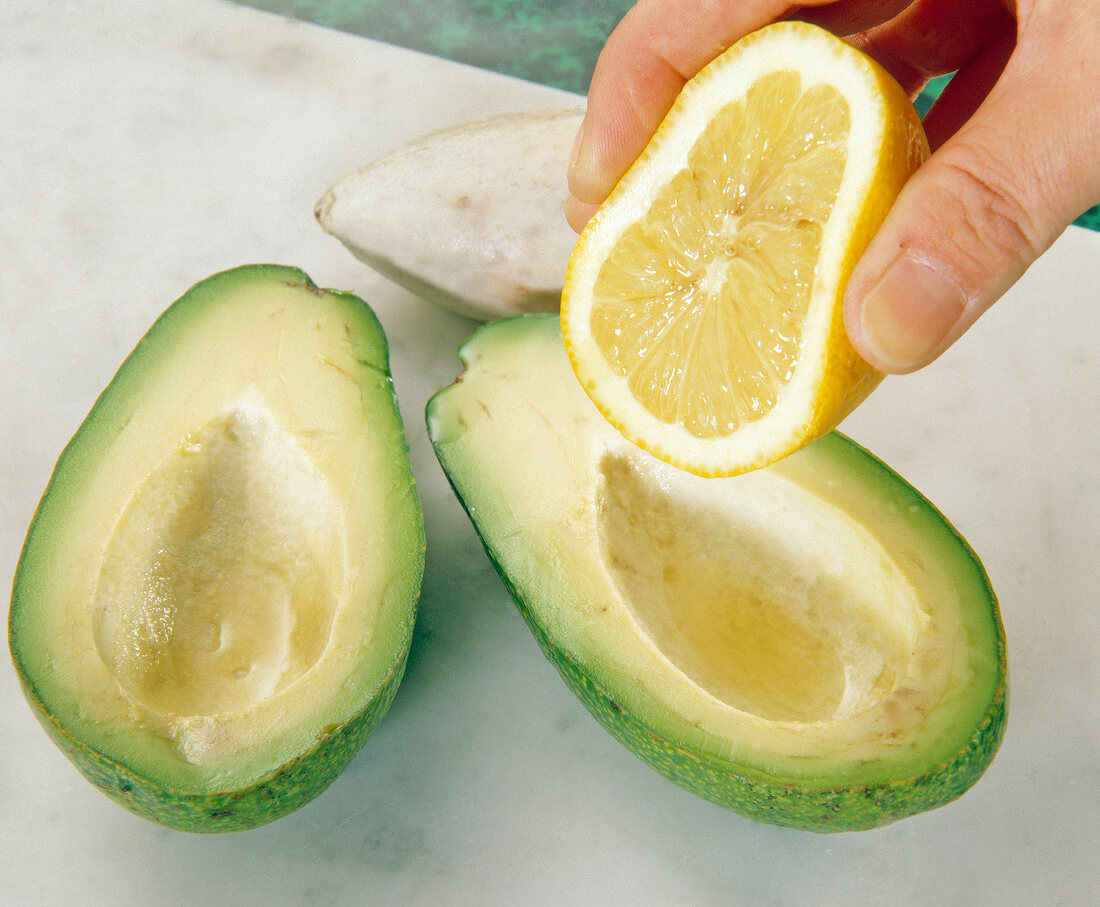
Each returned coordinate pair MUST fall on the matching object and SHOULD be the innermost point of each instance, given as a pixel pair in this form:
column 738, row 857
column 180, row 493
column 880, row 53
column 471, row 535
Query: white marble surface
column 144, row 145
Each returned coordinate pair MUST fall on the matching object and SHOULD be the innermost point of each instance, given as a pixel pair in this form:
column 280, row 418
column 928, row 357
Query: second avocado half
column 811, row 644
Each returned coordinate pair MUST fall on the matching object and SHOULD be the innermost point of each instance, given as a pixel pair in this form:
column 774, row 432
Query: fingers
column 931, row 38
column 660, row 44
column 987, row 203
column 848, row 17
column 1014, row 137
column 969, row 86
column 578, row 213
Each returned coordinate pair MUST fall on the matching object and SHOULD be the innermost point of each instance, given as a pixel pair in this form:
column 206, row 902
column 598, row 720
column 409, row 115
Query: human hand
column 1014, row 137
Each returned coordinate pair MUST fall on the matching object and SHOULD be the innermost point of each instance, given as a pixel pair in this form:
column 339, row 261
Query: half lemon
column 702, row 303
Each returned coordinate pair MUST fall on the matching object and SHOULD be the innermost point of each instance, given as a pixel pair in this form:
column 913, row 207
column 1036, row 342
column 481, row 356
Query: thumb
column 970, row 221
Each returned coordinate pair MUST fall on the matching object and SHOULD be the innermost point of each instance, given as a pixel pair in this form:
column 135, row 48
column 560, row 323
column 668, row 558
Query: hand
column 1015, row 138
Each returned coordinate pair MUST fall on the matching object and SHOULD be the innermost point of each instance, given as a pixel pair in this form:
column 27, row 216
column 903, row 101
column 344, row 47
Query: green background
column 555, row 42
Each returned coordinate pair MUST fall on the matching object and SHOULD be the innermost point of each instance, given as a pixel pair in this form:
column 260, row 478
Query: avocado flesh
column 215, row 600
column 810, row 645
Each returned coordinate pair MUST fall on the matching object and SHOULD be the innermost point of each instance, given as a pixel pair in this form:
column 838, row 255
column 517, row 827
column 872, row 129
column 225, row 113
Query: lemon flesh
column 705, row 320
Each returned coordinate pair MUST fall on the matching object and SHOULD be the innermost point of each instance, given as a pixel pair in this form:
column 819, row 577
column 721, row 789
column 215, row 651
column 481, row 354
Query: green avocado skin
column 284, row 791
column 295, row 783
column 771, row 799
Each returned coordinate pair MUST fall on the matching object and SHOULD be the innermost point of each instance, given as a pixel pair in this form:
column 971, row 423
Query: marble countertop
column 146, row 144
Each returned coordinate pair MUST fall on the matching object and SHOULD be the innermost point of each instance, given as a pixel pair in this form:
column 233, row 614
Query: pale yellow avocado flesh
column 813, row 628
column 225, row 567
column 763, row 602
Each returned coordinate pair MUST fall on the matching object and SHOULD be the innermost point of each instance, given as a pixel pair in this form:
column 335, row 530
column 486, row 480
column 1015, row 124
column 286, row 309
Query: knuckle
column 988, row 198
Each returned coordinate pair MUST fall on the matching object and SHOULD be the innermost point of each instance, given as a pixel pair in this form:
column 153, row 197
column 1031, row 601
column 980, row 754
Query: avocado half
column 215, row 599
column 810, row 645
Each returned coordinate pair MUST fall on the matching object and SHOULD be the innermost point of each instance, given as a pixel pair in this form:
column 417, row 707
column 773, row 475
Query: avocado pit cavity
column 757, row 600
column 220, row 584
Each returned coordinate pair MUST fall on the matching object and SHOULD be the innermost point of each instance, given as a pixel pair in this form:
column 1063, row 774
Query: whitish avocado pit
column 768, row 603
column 220, row 583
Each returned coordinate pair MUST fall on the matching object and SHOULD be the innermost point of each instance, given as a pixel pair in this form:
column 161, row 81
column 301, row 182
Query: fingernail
column 584, row 175
column 575, row 154
column 909, row 311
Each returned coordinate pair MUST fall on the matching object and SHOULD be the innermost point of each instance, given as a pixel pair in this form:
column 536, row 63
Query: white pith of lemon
column 702, row 303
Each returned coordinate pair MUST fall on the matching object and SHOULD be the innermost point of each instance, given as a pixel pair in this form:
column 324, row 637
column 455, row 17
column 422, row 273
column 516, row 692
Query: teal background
column 554, row 42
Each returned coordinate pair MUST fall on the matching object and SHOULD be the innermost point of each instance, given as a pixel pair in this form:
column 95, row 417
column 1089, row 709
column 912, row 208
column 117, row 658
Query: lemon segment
column 701, row 308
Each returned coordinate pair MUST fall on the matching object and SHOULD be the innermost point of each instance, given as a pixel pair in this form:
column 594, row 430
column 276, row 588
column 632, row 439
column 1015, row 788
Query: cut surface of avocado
column 215, row 600
column 810, row 645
